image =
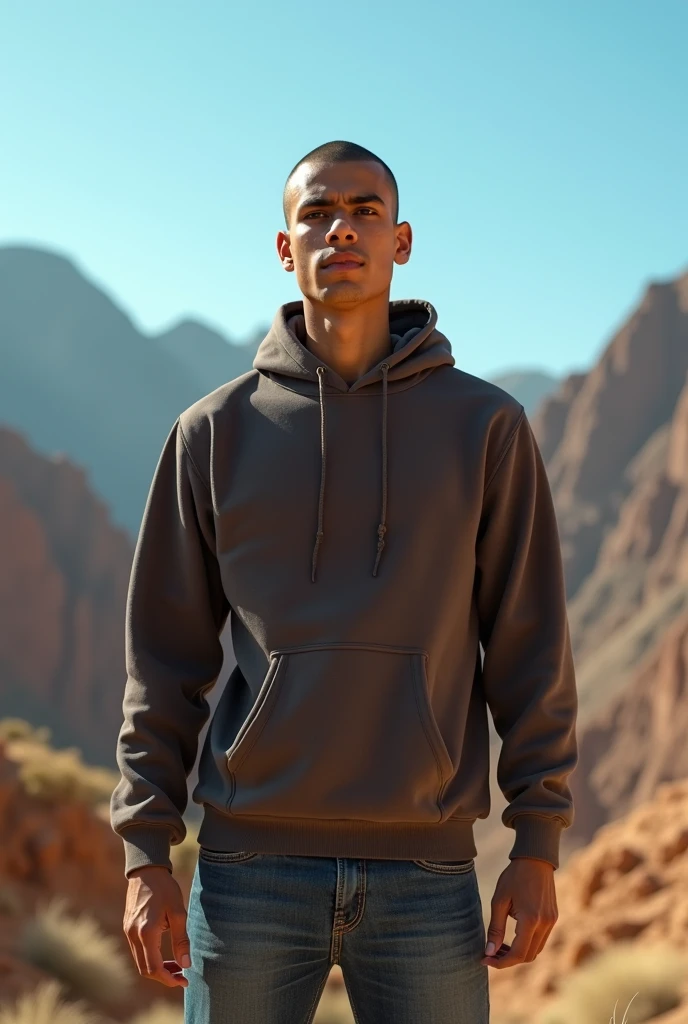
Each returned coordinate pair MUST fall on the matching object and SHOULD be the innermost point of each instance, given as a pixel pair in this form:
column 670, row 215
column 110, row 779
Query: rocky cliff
column 591, row 430
column 63, row 586
column 626, row 892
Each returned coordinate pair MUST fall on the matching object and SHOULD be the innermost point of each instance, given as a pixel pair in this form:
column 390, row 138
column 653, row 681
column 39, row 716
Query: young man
column 370, row 515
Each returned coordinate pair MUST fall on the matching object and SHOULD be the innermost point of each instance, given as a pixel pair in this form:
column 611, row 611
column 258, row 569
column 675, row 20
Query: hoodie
column 388, row 556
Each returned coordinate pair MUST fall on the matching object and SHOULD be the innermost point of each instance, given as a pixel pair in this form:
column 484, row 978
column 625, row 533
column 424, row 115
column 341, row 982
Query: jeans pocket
column 224, row 856
column 447, row 867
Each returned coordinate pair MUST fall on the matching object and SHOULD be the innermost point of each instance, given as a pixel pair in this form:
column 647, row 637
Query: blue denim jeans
column 265, row 929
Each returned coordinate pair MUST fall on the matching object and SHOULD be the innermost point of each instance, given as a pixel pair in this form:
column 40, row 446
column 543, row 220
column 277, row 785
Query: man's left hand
column 524, row 891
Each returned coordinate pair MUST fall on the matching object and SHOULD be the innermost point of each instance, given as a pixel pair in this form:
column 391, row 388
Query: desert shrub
column 19, row 729
column 159, row 1013
column 76, row 952
column 60, row 775
column 627, row 983
column 46, row 1005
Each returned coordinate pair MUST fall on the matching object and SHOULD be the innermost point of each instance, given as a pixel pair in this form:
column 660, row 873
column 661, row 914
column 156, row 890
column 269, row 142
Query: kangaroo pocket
column 341, row 731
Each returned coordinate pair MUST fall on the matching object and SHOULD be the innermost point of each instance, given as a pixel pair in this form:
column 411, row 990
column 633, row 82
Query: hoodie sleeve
column 176, row 609
column 528, row 670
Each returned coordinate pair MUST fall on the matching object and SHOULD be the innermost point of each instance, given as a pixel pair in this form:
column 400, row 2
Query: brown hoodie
column 367, row 539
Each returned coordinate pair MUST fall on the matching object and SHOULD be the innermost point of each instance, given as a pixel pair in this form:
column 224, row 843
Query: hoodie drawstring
column 323, row 460
column 382, row 527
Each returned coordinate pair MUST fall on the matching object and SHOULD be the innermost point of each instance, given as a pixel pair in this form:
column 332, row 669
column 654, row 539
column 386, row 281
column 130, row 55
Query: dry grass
column 625, row 984
column 46, row 1005
column 19, row 729
column 77, row 953
column 54, row 775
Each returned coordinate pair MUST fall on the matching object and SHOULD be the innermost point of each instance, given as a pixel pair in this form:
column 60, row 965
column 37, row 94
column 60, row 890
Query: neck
column 351, row 341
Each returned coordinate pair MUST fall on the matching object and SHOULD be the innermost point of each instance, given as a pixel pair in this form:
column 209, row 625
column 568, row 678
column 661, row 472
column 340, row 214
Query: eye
column 368, row 208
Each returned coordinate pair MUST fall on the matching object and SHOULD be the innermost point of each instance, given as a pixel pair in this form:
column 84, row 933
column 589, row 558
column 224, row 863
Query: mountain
column 208, row 358
column 63, row 586
column 596, row 425
column 615, row 444
column 79, row 378
column 529, row 387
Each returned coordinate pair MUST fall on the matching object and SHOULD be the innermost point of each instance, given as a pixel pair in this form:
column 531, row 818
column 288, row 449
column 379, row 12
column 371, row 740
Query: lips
column 345, row 261
column 343, row 265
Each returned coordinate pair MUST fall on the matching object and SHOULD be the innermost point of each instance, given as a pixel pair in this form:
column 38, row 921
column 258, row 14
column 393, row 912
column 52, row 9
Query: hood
column 417, row 349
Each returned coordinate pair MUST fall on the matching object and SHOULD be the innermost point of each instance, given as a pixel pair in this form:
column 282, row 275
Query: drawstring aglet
column 381, row 530
column 318, row 537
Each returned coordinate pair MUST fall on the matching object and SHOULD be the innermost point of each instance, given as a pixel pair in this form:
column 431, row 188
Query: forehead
column 350, row 176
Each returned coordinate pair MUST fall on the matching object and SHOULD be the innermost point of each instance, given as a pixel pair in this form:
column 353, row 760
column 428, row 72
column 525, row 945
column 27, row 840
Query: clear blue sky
column 540, row 146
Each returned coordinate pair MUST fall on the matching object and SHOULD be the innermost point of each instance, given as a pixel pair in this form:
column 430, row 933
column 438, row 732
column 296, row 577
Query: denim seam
column 435, row 867
column 360, row 905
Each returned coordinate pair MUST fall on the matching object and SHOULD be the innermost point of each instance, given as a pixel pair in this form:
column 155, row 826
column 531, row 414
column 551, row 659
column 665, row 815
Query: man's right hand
column 155, row 904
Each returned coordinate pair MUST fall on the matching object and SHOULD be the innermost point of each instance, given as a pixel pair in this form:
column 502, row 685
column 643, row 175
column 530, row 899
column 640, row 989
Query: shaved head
column 338, row 151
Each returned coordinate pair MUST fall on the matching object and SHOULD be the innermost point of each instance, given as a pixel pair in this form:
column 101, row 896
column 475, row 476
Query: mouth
column 344, row 265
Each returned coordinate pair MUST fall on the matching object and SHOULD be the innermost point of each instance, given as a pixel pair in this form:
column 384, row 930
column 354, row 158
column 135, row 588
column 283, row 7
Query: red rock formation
column 625, row 398
column 549, row 423
column 637, row 741
column 63, row 586
column 629, row 885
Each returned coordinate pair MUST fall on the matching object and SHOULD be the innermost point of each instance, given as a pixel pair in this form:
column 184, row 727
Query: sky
column 540, row 148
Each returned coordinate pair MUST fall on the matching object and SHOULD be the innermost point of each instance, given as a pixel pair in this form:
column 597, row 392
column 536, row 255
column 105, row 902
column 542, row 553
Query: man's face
column 342, row 208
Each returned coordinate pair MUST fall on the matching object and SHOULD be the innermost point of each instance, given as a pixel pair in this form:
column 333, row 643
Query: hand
column 154, row 903
column 524, row 891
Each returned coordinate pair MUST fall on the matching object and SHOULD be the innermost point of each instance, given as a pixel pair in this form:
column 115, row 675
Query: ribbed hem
column 537, row 836
column 450, row 840
column 146, row 845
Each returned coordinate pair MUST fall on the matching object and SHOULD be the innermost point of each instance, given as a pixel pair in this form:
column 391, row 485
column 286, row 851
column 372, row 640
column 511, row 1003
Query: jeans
column 265, row 930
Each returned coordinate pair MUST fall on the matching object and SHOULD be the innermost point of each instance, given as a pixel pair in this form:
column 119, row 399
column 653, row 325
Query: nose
column 340, row 229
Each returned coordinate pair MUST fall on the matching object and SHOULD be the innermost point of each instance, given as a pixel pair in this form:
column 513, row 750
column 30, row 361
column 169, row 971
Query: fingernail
column 490, row 948
column 186, row 960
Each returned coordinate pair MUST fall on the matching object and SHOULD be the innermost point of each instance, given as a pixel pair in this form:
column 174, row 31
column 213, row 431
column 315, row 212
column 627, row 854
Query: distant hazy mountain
column 206, row 355
column 530, row 387
column 77, row 376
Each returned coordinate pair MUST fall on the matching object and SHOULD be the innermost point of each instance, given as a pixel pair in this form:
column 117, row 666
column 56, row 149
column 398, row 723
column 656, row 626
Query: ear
column 284, row 250
column 404, row 237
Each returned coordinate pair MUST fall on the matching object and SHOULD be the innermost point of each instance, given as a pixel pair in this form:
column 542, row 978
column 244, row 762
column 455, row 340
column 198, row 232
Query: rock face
column 63, row 586
column 637, row 741
column 592, row 429
column 629, row 885
column 615, row 443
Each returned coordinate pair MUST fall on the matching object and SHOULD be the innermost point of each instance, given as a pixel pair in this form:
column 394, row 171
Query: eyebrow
column 312, row 201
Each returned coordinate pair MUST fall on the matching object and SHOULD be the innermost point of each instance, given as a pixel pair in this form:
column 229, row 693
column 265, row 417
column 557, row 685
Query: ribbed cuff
column 537, row 836
column 146, row 845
